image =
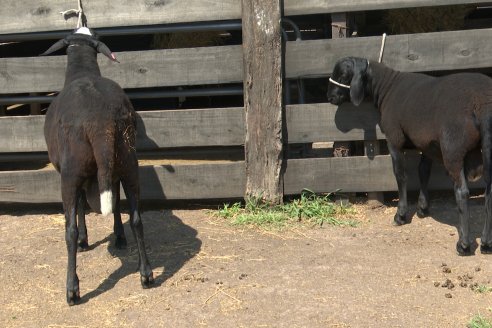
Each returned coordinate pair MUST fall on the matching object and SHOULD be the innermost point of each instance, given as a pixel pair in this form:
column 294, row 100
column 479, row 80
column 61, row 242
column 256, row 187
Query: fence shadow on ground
column 169, row 242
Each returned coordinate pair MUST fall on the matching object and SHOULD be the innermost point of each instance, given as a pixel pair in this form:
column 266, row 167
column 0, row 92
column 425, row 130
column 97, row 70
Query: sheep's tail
column 104, row 153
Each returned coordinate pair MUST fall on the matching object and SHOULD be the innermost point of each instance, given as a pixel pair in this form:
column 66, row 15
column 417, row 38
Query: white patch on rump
column 107, row 202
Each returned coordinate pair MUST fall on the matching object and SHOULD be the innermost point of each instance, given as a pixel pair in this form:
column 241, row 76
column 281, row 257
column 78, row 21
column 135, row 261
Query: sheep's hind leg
column 119, row 231
column 462, row 194
column 70, row 197
column 146, row 275
column 83, row 240
column 425, row 167
column 398, row 160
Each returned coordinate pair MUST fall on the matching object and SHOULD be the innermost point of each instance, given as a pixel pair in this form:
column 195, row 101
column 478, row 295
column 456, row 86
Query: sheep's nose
column 330, row 98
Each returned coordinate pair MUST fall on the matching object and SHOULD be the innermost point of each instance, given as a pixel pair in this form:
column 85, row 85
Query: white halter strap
column 339, row 84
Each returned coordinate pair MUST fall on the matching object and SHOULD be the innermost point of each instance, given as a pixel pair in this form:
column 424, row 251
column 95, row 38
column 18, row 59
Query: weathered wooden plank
column 227, row 180
column 211, row 65
column 165, row 182
column 156, row 129
column 138, row 69
column 22, row 134
column 44, row 15
column 358, row 174
column 214, row 127
column 263, row 99
column 305, row 7
column 410, row 52
column 191, row 128
column 325, row 122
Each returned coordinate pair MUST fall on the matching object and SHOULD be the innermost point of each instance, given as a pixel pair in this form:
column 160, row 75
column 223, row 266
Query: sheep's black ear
column 57, row 46
column 102, row 48
column 357, row 84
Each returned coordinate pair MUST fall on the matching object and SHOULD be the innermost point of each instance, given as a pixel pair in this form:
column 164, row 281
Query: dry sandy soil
column 209, row 273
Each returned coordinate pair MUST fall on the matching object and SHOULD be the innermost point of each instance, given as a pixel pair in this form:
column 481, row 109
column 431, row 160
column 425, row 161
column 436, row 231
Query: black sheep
column 447, row 118
column 90, row 133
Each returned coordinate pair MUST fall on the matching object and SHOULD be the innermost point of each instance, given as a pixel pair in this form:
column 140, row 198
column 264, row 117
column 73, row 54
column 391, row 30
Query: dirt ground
column 209, row 273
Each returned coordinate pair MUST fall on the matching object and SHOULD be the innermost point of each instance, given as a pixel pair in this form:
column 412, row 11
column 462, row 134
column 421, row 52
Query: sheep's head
column 347, row 82
column 83, row 36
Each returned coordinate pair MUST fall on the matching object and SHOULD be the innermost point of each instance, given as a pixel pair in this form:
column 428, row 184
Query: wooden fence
column 443, row 51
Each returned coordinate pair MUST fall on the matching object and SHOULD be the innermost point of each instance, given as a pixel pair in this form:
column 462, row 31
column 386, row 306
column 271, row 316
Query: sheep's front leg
column 425, row 167
column 69, row 197
column 398, row 160
column 462, row 194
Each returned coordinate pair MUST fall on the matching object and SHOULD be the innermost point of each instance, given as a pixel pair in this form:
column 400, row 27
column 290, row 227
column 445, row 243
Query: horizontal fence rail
column 213, row 127
column 215, row 65
column 227, row 180
column 45, row 15
column 137, row 69
column 296, row 7
column 420, row 52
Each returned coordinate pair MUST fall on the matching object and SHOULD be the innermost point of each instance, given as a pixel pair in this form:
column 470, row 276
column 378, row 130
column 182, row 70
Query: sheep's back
column 90, row 111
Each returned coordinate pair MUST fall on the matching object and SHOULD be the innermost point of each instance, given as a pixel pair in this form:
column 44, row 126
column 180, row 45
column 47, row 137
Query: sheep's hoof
column 120, row 242
column 83, row 246
column 73, row 297
column 399, row 220
column 485, row 249
column 422, row 212
column 147, row 281
column 463, row 250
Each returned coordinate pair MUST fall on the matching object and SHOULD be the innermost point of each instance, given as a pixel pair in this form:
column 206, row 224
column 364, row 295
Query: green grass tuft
column 479, row 321
column 310, row 208
column 482, row 289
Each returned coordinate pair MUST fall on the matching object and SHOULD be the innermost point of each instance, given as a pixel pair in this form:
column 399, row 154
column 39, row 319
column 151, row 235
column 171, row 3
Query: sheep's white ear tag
column 83, row 30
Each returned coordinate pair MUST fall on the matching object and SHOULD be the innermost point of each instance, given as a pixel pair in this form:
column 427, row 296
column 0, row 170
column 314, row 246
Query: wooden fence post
column 263, row 101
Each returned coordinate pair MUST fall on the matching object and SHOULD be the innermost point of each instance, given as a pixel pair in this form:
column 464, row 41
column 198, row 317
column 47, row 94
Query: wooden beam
column 155, row 129
column 215, row 180
column 45, row 15
column 359, row 174
column 407, row 52
column 212, row 65
column 190, row 128
column 138, row 69
column 325, row 122
column 214, row 127
column 307, row 7
column 157, row 182
column 263, row 101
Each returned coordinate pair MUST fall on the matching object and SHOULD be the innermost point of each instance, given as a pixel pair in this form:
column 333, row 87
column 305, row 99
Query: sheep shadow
column 364, row 117
column 170, row 245
column 444, row 210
